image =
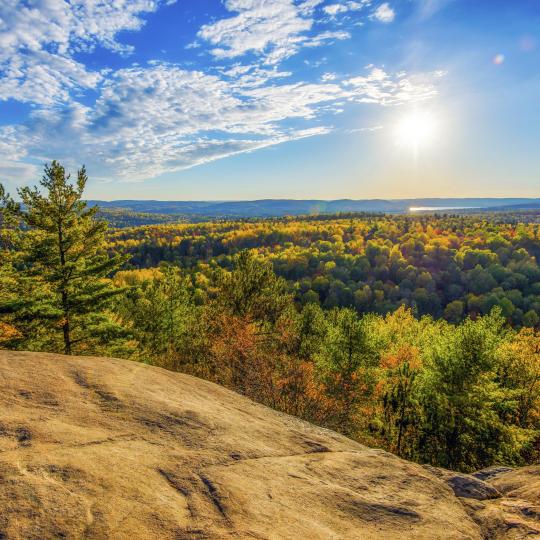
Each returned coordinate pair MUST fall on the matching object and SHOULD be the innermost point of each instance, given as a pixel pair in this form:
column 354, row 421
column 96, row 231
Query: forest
column 445, row 266
column 416, row 334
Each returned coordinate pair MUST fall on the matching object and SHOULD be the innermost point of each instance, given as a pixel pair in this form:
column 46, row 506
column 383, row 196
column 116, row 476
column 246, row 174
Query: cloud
column 11, row 147
column 253, row 75
column 274, row 29
column 18, row 173
column 383, row 89
column 384, row 13
column 344, row 7
column 43, row 78
column 428, row 8
column 141, row 121
column 39, row 39
column 161, row 118
column 368, row 129
column 12, row 150
column 68, row 26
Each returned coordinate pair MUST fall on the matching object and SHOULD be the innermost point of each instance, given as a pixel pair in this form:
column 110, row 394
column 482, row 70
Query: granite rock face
column 468, row 486
column 107, row 448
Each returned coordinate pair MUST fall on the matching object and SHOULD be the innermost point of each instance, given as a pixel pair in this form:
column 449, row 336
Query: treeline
column 460, row 395
column 119, row 218
column 451, row 267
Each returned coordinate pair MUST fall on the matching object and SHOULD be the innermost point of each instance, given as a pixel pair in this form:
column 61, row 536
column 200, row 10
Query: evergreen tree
column 462, row 401
column 160, row 314
column 61, row 283
column 8, row 245
column 253, row 291
column 346, row 361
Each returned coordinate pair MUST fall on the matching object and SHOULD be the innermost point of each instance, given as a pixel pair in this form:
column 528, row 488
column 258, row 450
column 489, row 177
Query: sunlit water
column 435, row 208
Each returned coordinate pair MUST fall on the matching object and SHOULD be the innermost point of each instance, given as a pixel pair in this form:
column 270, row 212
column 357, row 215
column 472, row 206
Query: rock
column 503, row 519
column 491, row 472
column 469, row 487
column 498, row 504
column 102, row 448
column 515, row 514
column 523, row 483
column 465, row 485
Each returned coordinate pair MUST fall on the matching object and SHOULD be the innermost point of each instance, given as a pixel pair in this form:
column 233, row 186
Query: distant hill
column 103, row 448
column 295, row 207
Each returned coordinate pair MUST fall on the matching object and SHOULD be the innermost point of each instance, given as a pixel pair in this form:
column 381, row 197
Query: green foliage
column 462, row 428
column 61, row 291
column 252, row 290
column 418, row 335
column 371, row 263
column 531, row 319
column 160, row 314
column 401, row 409
column 345, row 360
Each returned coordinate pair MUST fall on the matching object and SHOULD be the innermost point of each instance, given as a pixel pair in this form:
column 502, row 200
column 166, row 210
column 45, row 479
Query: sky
column 252, row 99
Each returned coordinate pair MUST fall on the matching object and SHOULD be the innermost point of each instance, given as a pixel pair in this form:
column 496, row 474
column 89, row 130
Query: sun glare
column 416, row 130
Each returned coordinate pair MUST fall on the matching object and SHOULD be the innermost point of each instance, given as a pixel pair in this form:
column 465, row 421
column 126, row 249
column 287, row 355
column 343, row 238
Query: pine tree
column 160, row 314
column 62, row 286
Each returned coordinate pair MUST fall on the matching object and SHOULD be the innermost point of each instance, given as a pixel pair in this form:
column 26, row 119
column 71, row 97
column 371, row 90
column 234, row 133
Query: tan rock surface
column 516, row 514
column 105, row 448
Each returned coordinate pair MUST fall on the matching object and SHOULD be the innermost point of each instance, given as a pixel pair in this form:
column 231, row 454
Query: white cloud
column 151, row 120
column 384, row 13
column 253, row 75
column 327, row 36
column 12, row 150
column 11, row 147
column 344, row 7
column 38, row 40
column 381, row 88
column 275, row 29
column 334, row 9
column 44, row 78
column 69, row 26
column 18, row 173
column 368, row 129
column 428, row 8
column 162, row 118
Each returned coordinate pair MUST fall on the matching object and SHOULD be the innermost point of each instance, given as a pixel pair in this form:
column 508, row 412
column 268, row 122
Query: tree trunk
column 65, row 299
column 66, row 326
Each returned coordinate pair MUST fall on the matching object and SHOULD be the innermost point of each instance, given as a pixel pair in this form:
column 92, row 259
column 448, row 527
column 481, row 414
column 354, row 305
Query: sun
column 416, row 130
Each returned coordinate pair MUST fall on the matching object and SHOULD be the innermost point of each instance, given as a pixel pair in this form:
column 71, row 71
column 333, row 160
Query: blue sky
column 244, row 99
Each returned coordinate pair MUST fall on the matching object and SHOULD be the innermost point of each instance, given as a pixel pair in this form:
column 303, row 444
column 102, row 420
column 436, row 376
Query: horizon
column 300, row 200
column 423, row 198
column 249, row 100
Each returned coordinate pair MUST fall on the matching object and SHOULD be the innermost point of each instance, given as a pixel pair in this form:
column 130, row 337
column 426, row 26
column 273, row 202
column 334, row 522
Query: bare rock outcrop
column 516, row 513
column 107, row 448
column 468, row 486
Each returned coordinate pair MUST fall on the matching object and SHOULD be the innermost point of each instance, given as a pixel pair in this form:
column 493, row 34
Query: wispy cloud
column 344, row 7
column 380, row 88
column 428, row 8
column 145, row 120
column 12, row 150
column 275, row 29
column 161, row 118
